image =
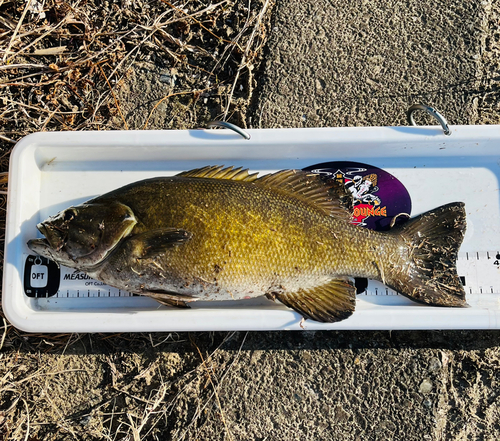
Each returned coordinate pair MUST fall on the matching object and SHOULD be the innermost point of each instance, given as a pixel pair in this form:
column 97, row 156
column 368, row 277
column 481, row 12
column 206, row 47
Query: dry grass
column 62, row 69
column 67, row 65
column 157, row 393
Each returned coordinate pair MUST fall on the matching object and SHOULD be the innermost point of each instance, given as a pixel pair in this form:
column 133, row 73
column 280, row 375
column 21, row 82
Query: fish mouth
column 42, row 228
column 43, row 248
column 53, row 240
column 37, row 245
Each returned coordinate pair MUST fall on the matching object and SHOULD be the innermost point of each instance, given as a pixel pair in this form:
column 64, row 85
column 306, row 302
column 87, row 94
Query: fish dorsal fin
column 331, row 196
column 332, row 302
column 219, row 172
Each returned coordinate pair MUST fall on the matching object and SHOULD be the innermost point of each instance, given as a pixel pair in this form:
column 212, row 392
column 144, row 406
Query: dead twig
column 26, row 437
column 196, row 21
column 209, row 374
column 25, row 66
column 41, row 37
column 244, row 59
column 5, row 325
column 114, row 97
column 7, row 139
column 199, row 411
column 19, row 23
column 187, row 92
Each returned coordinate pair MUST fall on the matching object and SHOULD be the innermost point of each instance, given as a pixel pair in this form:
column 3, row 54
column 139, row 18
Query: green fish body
column 222, row 234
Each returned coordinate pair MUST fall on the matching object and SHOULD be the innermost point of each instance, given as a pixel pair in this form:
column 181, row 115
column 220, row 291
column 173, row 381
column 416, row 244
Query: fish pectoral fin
column 328, row 303
column 152, row 243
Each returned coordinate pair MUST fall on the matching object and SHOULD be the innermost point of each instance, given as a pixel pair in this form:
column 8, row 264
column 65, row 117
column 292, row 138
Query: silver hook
column 229, row 126
column 431, row 111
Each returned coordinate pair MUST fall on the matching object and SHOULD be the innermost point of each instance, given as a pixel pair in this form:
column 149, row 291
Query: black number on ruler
column 497, row 261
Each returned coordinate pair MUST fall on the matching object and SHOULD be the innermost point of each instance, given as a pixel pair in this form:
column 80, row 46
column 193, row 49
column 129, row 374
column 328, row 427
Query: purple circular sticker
column 377, row 195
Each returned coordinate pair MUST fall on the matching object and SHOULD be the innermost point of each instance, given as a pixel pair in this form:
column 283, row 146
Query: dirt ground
column 103, row 65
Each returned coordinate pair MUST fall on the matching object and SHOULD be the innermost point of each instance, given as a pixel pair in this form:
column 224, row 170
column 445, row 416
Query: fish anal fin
column 332, row 302
column 330, row 196
column 155, row 242
column 219, row 172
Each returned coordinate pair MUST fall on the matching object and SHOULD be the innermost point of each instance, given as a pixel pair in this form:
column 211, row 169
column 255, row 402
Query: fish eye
column 69, row 215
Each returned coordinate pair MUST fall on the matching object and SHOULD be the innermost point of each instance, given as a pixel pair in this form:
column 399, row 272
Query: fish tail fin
column 433, row 240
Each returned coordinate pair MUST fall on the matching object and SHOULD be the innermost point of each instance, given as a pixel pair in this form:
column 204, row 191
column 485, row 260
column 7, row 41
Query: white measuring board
column 51, row 171
column 75, row 284
column 481, row 271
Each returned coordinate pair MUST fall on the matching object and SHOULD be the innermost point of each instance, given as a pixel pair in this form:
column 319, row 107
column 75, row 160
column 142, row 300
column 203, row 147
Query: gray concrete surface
column 359, row 386
column 363, row 63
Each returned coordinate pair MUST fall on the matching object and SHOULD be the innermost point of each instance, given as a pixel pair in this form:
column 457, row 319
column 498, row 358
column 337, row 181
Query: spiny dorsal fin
column 219, row 172
column 331, row 196
column 332, row 302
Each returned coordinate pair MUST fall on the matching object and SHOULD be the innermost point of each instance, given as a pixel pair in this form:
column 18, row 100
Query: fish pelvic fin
column 328, row 303
column 433, row 240
column 168, row 298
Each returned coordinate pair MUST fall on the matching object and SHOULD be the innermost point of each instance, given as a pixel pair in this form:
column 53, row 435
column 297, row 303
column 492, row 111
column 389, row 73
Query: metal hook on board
column 230, row 126
column 431, row 111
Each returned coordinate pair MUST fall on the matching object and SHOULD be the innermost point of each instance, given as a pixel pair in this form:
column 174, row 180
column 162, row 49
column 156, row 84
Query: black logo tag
column 41, row 277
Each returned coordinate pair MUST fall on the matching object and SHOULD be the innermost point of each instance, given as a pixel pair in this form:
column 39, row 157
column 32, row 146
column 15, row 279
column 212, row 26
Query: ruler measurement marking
column 479, row 275
column 479, row 272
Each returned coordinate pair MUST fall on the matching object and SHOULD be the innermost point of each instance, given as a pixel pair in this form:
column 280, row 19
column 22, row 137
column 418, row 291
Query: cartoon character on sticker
column 365, row 201
column 378, row 196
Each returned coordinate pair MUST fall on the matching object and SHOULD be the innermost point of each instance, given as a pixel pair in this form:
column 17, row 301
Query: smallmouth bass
column 220, row 233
